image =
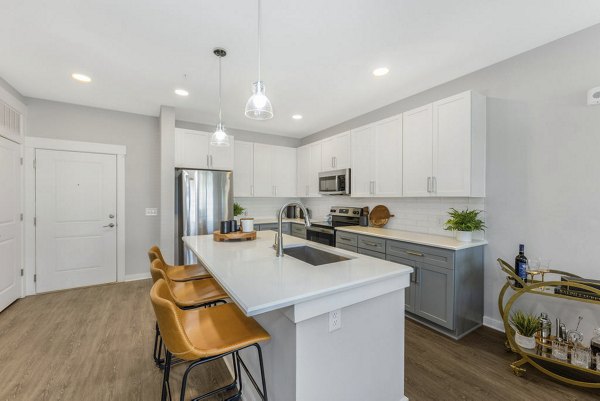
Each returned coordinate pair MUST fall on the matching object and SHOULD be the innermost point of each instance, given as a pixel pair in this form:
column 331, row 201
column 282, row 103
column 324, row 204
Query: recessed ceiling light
column 381, row 71
column 81, row 77
column 181, row 92
column 297, row 117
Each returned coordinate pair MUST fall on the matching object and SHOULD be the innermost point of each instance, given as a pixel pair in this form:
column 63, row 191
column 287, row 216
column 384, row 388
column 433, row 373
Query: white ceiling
column 317, row 55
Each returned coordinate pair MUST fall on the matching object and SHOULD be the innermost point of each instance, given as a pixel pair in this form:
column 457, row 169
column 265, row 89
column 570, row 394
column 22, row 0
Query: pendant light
column 220, row 137
column 259, row 106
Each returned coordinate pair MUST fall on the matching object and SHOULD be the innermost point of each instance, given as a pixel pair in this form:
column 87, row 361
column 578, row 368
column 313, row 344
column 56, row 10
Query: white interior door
column 76, row 233
column 10, row 223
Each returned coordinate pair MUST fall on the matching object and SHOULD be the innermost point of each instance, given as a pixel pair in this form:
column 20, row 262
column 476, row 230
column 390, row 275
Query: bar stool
column 179, row 273
column 186, row 295
column 204, row 335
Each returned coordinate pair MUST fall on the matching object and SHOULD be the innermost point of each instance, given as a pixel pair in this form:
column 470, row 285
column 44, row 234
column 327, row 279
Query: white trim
column 74, row 146
column 33, row 143
column 121, row 217
column 137, row 276
column 497, row 325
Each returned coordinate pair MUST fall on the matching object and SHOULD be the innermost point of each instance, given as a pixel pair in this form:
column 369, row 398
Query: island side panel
column 364, row 360
column 279, row 355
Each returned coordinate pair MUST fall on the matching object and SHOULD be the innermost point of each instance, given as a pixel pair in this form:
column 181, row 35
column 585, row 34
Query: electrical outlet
column 151, row 211
column 335, row 320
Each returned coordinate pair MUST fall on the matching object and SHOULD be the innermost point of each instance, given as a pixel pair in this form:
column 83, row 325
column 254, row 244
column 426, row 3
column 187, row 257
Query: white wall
column 142, row 164
column 542, row 159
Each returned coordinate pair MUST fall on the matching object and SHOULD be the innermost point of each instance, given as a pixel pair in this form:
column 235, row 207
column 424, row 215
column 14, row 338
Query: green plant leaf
column 526, row 324
column 464, row 220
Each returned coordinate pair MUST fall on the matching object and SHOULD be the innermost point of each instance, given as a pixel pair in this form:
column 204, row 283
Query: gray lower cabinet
column 446, row 289
column 346, row 247
column 285, row 227
column 368, row 252
column 298, row 230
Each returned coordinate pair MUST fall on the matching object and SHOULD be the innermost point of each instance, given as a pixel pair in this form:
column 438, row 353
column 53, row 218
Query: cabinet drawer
column 346, row 247
column 346, row 239
column 299, row 230
column 371, row 243
column 433, row 256
column 374, row 254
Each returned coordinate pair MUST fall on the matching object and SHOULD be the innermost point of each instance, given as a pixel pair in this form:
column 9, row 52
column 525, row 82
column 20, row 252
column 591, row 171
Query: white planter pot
column 524, row 342
column 464, row 236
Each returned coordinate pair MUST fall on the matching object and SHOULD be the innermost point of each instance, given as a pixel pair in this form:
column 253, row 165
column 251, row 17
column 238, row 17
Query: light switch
column 151, row 211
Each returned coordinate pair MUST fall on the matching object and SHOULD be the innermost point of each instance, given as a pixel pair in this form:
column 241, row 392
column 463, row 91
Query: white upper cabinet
column 444, row 147
column 309, row 167
column 263, row 166
column 336, row 152
column 303, row 170
column 284, row 171
column 193, row 150
column 377, row 159
column 243, row 169
column 274, row 171
column 417, row 152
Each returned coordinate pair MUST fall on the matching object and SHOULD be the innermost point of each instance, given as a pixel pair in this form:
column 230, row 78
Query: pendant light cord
column 258, row 30
column 220, row 119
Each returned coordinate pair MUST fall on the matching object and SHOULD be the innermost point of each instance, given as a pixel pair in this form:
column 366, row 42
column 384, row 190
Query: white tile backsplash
column 426, row 215
column 262, row 207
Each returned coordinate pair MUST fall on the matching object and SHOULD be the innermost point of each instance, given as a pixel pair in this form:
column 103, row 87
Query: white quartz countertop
column 437, row 241
column 260, row 282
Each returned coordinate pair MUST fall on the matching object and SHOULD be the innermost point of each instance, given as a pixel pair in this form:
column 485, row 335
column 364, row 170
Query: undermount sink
column 313, row 256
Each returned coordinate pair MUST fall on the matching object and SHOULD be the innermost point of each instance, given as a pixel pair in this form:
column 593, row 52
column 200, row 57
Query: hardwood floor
column 95, row 344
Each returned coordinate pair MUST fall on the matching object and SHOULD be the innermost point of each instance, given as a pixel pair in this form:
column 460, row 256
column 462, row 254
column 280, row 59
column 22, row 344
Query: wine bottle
column 521, row 265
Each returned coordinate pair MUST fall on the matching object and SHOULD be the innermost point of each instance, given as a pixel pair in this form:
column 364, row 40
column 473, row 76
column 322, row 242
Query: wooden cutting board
column 379, row 216
column 237, row 235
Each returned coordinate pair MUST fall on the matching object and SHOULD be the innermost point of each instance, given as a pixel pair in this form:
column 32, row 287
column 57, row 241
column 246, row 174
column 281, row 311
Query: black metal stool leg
column 262, row 372
column 166, row 388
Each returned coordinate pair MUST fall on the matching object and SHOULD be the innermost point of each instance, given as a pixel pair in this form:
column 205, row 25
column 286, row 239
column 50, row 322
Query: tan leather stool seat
column 188, row 293
column 221, row 329
column 182, row 272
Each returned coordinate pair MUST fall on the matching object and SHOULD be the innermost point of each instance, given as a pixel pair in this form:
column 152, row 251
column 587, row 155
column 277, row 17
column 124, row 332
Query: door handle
column 370, row 243
column 417, row 272
column 111, row 216
column 211, row 161
column 334, row 161
column 111, row 225
column 252, row 190
column 433, row 184
column 414, row 253
column 429, row 184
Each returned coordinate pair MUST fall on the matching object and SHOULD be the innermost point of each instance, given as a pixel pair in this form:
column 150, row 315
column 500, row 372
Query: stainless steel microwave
column 336, row 182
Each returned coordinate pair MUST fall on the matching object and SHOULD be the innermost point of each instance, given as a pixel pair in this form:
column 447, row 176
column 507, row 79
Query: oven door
column 325, row 236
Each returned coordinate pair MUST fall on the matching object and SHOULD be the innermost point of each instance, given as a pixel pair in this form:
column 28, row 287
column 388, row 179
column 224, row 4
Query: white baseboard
column 493, row 324
column 138, row 276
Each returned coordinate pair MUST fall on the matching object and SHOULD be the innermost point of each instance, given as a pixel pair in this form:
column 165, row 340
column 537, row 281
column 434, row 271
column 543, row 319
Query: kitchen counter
column 437, row 241
column 260, row 282
column 356, row 356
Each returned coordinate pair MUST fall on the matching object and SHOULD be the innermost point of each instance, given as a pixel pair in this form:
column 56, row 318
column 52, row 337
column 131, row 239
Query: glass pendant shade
column 219, row 137
column 259, row 106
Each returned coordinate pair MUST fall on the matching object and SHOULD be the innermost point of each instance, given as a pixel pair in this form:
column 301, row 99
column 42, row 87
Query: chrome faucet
column 279, row 238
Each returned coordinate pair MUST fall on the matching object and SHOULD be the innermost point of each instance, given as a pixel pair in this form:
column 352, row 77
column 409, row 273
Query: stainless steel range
column 323, row 232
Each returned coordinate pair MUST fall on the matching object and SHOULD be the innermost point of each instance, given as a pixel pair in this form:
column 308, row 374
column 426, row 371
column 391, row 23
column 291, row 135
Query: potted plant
column 464, row 222
column 525, row 325
column 237, row 209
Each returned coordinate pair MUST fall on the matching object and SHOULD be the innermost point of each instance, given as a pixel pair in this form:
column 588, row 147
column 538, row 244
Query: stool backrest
column 158, row 270
column 168, row 317
column 155, row 253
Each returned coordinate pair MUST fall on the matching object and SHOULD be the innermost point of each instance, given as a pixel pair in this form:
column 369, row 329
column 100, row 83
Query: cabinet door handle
column 346, row 238
column 434, row 184
column 207, row 161
column 370, row 243
column 334, row 161
column 275, row 190
column 414, row 253
column 417, row 274
column 252, row 190
column 429, row 184
column 211, row 161
column 374, row 187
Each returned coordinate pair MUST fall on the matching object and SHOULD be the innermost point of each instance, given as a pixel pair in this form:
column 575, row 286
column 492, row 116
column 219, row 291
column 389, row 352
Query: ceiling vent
column 10, row 119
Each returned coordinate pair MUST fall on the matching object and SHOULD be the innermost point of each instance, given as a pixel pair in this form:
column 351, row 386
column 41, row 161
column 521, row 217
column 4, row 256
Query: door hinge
column 21, row 216
column 21, row 272
column 35, row 278
column 35, row 221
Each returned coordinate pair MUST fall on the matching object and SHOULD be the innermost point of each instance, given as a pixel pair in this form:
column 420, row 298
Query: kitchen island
column 292, row 300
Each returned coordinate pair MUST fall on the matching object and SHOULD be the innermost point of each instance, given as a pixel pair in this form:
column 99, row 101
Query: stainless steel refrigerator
column 202, row 199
